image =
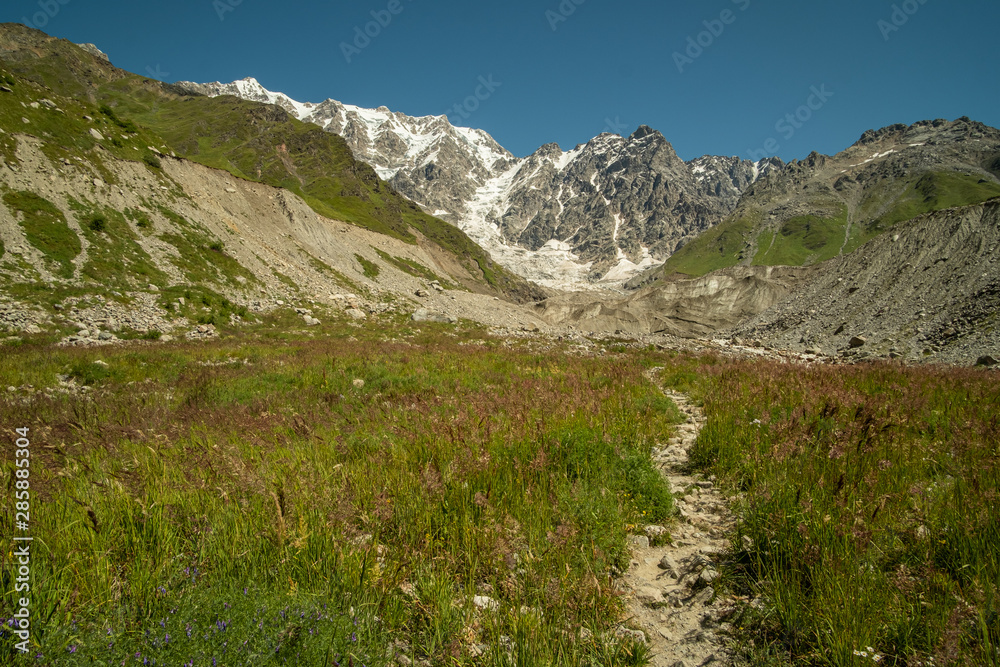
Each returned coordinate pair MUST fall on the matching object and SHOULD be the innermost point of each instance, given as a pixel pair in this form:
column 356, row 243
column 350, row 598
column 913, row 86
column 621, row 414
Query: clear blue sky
column 610, row 65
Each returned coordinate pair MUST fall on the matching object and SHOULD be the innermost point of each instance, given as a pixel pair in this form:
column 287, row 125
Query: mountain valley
column 269, row 208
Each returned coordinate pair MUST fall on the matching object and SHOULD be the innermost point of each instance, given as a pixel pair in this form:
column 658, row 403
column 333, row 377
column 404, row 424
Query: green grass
column 201, row 256
column 368, row 267
column 936, row 191
column 808, row 239
column 45, row 228
column 410, row 266
column 65, row 131
column 802, row 240
column 142, row 220
column 253, row 491
column 867, row 505
column 200, row 304
column 114, row 257
column 720, row 247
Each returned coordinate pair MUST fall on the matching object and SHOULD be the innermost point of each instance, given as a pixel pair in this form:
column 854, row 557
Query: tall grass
column 336, row 501
column 868, row 503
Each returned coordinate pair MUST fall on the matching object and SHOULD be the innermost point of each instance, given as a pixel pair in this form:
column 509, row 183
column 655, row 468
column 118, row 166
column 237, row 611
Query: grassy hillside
column 252, row 141
column 832, row 228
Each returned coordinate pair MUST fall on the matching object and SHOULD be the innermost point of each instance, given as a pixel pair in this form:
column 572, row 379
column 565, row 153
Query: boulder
column 427, row 315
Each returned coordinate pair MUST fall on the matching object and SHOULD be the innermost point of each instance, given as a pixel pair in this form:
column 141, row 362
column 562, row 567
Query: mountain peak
column 94, row 51
column 644, row 131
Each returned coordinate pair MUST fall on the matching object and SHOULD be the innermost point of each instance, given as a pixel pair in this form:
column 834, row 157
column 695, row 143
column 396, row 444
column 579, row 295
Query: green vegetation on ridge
column 808, row 239
column 45, row 228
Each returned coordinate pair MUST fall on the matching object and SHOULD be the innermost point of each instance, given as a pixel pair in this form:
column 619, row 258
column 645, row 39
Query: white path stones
column 672, row 598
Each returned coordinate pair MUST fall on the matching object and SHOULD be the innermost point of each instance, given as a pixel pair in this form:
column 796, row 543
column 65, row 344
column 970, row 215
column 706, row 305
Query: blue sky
column 725, row 77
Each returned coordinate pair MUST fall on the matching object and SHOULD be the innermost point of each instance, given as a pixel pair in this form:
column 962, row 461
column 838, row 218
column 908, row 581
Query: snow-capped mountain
column 600, row 212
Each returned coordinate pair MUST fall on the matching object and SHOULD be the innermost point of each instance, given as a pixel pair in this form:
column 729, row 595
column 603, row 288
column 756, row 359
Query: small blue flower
column 72, row 649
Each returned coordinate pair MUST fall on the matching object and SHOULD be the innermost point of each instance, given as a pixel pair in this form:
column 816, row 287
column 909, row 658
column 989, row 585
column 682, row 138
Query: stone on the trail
column 708, row 575
column 668, row 566
column 704, row 596
column 856, row 342
column 987, row 360
column 638, row 541
column 648, row 595
column 655, row 531
column 636, row 635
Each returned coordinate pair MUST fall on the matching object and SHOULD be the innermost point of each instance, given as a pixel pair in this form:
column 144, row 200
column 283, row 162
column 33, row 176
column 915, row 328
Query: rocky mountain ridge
column 598, row 213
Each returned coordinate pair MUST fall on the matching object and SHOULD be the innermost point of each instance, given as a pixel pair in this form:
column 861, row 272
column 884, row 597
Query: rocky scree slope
column 693, row 308
column 600, row 212
column 929, row 292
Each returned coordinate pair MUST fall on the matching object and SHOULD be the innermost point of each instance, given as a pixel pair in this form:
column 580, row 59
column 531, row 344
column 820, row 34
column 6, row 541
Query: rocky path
column 671, row 594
